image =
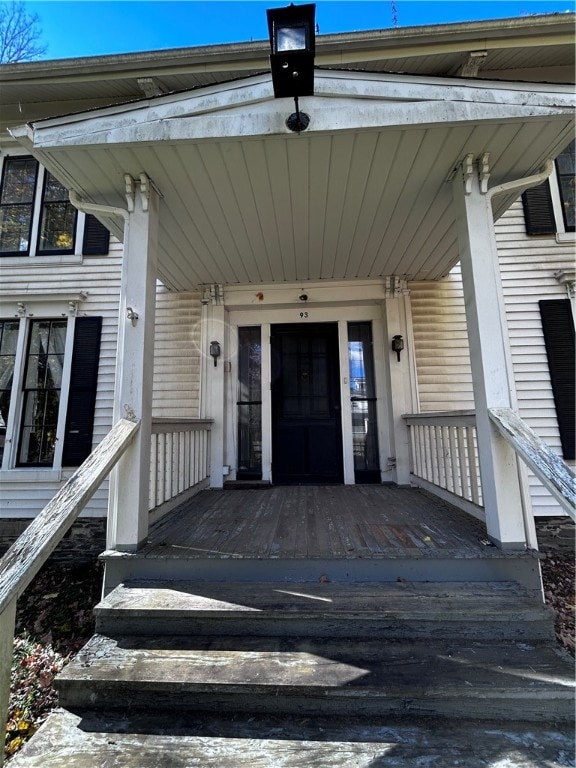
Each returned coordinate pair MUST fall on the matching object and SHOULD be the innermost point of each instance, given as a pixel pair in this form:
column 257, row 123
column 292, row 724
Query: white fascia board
column 268, row 120
column 353, row 101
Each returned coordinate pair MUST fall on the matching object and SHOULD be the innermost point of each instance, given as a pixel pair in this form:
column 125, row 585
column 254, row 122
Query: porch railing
column 445, row 457
column 180, row 458
column 549, row 468
column 35, row 545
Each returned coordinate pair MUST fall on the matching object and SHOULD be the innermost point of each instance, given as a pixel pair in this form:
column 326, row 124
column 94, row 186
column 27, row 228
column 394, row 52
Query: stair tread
column 335, row 666
column 89, row 739
column 499, row 600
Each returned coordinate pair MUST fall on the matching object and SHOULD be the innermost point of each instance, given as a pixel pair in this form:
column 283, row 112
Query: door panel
column 306, row 422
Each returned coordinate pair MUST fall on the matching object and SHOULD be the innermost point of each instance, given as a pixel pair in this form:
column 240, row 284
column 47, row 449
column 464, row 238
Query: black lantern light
column 292, row 49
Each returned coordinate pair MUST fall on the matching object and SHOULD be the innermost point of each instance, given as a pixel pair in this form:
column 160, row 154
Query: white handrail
column 35, row 545
column 548, row 467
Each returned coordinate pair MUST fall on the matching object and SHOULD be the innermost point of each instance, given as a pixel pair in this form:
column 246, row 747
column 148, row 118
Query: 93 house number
column 303, row 315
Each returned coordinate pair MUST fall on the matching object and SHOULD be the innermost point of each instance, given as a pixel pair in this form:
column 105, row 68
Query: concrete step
column 484, row 610
column 465, row 679
column 148, row 740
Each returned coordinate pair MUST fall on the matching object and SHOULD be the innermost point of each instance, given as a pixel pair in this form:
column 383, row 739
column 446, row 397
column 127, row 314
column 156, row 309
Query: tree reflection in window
column 41, row 395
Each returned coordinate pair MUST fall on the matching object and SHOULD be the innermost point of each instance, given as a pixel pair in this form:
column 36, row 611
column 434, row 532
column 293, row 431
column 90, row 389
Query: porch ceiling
column 364, row 193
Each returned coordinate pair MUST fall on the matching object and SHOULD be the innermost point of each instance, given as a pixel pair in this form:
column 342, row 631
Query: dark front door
column 306, row 424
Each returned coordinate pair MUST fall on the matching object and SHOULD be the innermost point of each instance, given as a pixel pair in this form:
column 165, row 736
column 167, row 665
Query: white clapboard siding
column 99, row 277
column 528, row 264
column 177, row 355
column 441, row 344
column 527, row 267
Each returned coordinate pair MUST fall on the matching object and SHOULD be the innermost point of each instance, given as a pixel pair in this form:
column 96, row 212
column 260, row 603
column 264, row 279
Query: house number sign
column 304, row 315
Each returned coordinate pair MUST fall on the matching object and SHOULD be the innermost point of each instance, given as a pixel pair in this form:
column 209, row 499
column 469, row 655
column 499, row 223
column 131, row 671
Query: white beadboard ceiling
column 356, row 196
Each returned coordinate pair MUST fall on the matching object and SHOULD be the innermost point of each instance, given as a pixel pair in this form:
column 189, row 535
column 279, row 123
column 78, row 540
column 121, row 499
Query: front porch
column 341, row 533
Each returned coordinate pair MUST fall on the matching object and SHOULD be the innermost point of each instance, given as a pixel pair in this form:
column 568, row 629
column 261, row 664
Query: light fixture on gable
column 292, row 49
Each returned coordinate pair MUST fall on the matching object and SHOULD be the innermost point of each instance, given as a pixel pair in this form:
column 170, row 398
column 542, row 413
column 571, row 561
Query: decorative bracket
column 129, row 191
column 567, row 277
column 484, row 172
column 396, row 287
column 467, row 173
column 145, row 185
column 216, row 294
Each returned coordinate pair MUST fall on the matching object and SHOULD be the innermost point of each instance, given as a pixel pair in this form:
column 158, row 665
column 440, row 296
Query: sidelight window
column 249, row 403
column 363, row 403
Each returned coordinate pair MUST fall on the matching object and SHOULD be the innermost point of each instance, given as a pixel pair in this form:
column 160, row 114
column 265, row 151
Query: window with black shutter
column 558, row 328
column 96, row 237
column 82, row 392
column 539, row 211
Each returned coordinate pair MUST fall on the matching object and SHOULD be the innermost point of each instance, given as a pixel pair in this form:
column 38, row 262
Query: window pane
column 16, row 199
column 8, row 342
column 19, row 180
column 58, row 218
column 249, row 402
column 249, row 440
column 42, row 384
column 363, row 403
column 15, row 221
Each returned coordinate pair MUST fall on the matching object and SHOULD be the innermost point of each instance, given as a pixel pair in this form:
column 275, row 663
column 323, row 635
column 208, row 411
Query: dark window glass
column 16, row 204
column 58, row 221
column 8, row 343
column 363, row 403
column 566, row 171
column 42, row 384
column 249, row 403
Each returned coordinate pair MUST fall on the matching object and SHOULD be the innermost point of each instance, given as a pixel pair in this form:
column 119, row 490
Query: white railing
column 180, row 458
column 549, row 468
column 33, row 547
column 445, row 457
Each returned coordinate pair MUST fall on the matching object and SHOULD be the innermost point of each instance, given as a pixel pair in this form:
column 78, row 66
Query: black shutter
column 82, row 395
column 538, row 210
column 96, row 237
column 558, row 327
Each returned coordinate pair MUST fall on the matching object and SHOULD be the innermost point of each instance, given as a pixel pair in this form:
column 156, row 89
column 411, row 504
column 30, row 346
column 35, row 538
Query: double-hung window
column 48, row 381
column 37, row 217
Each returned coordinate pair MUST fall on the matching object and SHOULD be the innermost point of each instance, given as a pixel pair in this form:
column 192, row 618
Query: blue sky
column 94, row 27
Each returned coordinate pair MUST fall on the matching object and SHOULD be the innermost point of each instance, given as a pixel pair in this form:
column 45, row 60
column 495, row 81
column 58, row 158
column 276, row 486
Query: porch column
column 129, row 482
column 213, row 380
column 492, row 375
column 401, row 381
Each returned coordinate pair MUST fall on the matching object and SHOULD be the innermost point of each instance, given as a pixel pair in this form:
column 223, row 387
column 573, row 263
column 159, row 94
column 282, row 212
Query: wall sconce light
column 397, row 345
column 292, row 49
column 215, row 351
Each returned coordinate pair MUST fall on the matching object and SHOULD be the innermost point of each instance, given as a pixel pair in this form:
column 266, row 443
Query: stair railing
column 548, row 467
column 35, row 545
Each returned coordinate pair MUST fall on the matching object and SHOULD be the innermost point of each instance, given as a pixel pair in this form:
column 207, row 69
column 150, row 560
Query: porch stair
column 312, row 674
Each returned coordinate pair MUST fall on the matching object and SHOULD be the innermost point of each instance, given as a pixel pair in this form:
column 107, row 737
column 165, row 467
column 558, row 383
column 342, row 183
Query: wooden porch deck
column 287, row 522
column 310, row 533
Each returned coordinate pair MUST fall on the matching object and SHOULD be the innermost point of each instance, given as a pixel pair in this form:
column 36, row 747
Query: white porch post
column 129, row 485
column 492, row 375
column 401, row 375
column 214, row 382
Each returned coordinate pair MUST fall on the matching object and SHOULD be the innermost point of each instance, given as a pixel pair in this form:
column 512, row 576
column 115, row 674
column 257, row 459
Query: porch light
column 397, row 345
column 215, row 351
column 292, row 48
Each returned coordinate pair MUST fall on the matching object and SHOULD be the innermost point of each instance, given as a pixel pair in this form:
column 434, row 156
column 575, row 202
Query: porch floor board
column 340, row 522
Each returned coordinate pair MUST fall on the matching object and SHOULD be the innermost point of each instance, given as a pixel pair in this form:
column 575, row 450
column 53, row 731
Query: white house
column 275, row 303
